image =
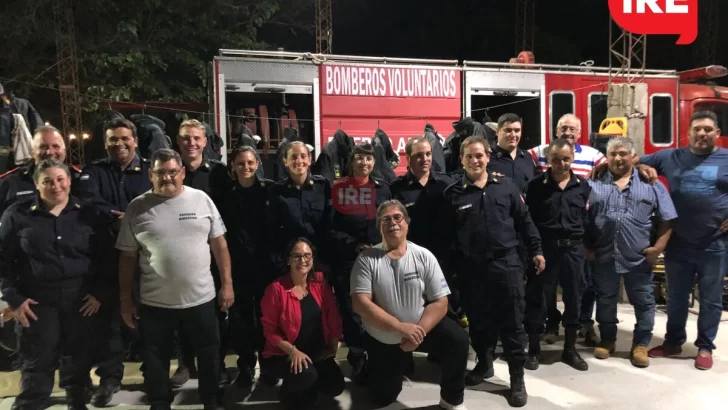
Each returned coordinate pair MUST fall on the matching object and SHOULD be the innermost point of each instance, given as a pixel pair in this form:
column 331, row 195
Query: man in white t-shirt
column 170, row 231
column 400, row 293
column 585, row 159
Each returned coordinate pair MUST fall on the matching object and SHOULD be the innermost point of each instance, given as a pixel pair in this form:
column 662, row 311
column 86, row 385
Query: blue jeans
column 639, row 287
column 683, row 267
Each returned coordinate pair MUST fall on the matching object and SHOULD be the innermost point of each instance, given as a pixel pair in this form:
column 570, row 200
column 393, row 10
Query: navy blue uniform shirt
column 304, row 212
column 358, row 227
column 485, row 222
column 424, row 204
column 212, row 176
column 520, row 169
column 41, row 252
column 110, row 188
column 559, row 214
column 243, row 212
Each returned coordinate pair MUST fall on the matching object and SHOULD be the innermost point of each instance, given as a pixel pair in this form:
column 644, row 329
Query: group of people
column 202, row 259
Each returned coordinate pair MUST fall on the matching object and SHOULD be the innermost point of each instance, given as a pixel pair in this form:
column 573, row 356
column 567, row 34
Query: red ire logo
column 353, row 196
column 658, row 17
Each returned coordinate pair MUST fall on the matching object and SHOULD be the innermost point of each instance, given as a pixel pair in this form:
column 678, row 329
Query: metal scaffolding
column 525, row 25
column 627, row 53
column 706, row 48
column 68, row 80
column 324, row 30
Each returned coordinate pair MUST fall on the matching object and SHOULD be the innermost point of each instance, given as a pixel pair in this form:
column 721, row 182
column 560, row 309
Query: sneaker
column 447, row 406
column 639, row 356
column 704, row 360
column 604, row 350
column 665, row 350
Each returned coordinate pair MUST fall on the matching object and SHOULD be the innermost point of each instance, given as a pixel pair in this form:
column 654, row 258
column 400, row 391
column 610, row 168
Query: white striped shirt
column 585, row 159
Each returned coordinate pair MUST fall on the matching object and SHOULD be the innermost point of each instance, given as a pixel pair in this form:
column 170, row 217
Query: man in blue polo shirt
column 698, row 180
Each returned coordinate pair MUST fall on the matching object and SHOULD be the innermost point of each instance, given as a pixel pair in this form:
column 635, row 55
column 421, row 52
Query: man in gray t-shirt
column 400, row 293
column 170, row 231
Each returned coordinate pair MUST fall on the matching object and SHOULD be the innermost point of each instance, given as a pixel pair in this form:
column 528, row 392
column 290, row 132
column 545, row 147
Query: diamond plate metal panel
column 267, row 71
column 504, row 80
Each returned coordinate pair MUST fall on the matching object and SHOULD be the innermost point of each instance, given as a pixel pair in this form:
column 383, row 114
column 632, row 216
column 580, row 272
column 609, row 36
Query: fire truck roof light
column 703, row 73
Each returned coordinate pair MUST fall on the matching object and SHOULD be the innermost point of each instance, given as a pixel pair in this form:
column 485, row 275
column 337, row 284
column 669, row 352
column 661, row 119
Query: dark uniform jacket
column 212, row 176
column 559, row 214
column 333, row 163
column 110, row 188
column 294, row 213
column 424, row 204
column 482, row 224
column 41, row 254
column 357, row 224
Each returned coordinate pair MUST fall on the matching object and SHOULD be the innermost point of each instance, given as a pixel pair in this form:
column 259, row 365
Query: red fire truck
column 319, row 94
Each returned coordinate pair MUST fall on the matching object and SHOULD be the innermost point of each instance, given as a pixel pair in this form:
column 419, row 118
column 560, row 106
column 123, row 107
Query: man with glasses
column 171, row 231
column 111, row 183
column 400, row 293
column 585, row 160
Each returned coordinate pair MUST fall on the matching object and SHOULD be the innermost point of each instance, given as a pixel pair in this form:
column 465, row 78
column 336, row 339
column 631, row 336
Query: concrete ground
column 611, row 384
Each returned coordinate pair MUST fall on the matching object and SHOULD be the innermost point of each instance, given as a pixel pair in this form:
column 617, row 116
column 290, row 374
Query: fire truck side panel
column 585, row 94
column 398, row 99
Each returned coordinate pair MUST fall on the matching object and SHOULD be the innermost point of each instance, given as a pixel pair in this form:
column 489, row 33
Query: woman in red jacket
column 302, row 328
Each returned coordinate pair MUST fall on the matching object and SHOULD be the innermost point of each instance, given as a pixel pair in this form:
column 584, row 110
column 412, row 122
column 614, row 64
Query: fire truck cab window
column 562, row 102
column 720, row 110
column 597, row 110
column 661, row 119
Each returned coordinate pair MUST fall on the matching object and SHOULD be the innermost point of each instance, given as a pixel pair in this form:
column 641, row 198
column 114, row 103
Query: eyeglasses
column 305, row 257
column 398, row 218
column 165, row 172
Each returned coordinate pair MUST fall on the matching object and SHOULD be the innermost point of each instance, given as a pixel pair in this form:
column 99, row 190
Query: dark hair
column 47, row 164
column 508, row 117
column 415, row 140
column 121, row 123
column 364, row 148
column 245, row 148
column 475, row 139
column 704, row 115
column 291, row 144
column 286, row 270
column 164, row 155
column 559, row 144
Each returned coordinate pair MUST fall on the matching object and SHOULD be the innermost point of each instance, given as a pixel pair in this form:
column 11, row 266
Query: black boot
column 482, row 370
column 105, row 393
column 570, row 356
column 76, row 399
column 534, row 352
column 518, row 397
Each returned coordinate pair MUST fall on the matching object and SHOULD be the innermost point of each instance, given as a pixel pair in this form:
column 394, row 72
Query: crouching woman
column 302, row 328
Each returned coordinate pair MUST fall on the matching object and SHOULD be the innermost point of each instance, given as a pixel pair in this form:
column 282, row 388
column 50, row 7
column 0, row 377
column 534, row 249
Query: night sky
column 568, row 32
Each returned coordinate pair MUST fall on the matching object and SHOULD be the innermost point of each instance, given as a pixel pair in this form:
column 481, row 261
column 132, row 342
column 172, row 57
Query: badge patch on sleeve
column 443, row 284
